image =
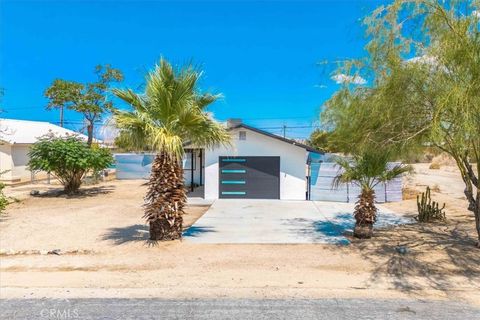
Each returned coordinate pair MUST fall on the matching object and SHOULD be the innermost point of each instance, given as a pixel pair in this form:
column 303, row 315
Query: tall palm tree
column 169, row 113
column 366, row 170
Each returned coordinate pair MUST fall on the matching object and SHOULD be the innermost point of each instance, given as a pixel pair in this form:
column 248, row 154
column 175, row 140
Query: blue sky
column 263, row 56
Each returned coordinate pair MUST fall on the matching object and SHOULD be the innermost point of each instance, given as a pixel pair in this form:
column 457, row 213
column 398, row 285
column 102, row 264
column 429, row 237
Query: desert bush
column 434, row 166
column 68, row 158
column 442, row 159
column 3, row 198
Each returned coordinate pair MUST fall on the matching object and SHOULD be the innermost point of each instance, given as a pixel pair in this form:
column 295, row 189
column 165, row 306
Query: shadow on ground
column 194, row 231
column 327, row 231
column 422, row 256
column 82, row 193
column 133, row 233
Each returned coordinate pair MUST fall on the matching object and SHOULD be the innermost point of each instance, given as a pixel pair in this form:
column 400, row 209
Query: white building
column 257, row 165
column 16, row 137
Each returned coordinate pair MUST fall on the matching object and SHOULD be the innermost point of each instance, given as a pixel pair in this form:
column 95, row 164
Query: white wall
column 5, row 161
column 292, row 163
column 20, row 160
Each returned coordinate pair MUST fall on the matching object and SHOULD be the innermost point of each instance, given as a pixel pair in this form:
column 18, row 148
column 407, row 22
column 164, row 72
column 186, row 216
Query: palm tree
column 168, row 114
column 366, row 170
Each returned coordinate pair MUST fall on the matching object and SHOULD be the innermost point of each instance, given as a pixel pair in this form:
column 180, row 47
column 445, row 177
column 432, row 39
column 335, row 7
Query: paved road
column 233, row 309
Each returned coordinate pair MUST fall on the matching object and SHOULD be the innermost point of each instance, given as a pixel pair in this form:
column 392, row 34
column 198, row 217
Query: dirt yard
column 103, row 252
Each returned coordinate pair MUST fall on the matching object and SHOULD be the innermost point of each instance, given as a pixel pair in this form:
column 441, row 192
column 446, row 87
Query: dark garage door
column 249, row 177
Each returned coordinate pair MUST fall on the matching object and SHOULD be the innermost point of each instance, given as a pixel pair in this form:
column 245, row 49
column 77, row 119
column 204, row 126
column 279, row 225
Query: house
column 257, row 165
column 16, row 137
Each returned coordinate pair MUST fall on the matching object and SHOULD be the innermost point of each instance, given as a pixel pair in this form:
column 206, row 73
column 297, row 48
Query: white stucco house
column 16, row 137
column 257, row 165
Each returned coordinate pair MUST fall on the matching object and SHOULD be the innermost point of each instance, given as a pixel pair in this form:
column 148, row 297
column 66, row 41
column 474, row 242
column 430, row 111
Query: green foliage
column 429, row 211
column 68, row 158
column 367, row 170
column 90, row 99
column 3, row 199
column 320, row 140
column 423, row 67
column 169, row 113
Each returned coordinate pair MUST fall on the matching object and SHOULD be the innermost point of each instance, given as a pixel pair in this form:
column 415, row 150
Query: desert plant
column 169, row 113
column 429, row 210
column 3, row 199
column 68, row 158
column 367, row 170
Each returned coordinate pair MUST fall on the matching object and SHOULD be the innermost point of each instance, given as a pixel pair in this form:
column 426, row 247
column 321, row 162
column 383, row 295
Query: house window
column 242, row 135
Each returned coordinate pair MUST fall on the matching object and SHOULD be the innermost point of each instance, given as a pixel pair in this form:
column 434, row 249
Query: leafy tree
column 90, row 99
column 169, row 113
column 319, row 139
column 424, row 71
column 367, row 170
column 68, row 158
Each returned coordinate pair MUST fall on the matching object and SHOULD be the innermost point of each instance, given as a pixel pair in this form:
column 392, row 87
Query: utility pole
column 284, row 131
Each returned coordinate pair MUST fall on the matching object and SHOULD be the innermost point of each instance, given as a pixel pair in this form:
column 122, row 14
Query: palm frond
column 169, row 113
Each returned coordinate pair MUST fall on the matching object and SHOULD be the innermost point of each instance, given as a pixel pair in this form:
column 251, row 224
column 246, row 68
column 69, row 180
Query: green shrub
column 68, row 158
column 3, row 198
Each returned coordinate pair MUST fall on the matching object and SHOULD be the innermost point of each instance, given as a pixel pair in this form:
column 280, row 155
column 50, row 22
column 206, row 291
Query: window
column 242, row 135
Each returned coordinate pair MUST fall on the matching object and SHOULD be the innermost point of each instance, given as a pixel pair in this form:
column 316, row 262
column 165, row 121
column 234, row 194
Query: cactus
column 429, row 210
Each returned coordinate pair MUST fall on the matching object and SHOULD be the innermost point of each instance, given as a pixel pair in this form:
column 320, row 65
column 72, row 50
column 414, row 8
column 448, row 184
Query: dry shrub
column 409, row 193
column 434, row 166
column 442, row 160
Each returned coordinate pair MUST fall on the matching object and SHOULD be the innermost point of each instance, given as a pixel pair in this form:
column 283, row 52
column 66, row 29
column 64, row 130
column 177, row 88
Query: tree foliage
column 320, row 140
column 169, row 113
column 368, row 169
column 90, row 99
column 423, row 67
column 68, row 158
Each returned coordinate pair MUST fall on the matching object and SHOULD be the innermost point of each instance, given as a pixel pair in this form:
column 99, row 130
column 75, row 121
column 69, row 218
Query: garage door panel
column 249, row 177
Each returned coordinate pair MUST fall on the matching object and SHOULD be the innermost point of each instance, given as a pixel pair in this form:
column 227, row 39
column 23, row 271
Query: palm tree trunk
column 165, row 199
column 365, row 214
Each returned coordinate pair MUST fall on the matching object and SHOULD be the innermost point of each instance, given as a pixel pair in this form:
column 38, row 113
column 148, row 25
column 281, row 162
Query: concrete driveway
column 279, row 221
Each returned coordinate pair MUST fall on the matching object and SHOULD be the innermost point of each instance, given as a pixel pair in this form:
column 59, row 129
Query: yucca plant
column 170, row 112
column 366, row 170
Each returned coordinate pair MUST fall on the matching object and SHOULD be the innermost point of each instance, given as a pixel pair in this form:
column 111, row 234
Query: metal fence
column 133, row 165
column 321, row 186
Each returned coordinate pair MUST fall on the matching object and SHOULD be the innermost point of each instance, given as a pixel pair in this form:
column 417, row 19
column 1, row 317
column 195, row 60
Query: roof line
column 271, row 135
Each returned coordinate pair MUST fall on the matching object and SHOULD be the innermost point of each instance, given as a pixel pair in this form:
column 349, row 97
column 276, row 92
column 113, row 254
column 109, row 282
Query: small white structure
column 258, row 164
column 16, row 137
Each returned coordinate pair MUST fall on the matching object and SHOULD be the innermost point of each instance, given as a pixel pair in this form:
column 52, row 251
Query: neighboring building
column 16, row 137
column 257, row 165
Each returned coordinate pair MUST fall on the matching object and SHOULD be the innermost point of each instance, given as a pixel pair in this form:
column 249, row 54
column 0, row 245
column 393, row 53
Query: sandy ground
column 107, row 255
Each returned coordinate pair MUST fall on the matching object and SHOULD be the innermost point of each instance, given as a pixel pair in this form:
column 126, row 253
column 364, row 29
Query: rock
column 401, row 249
column 34, row 193
column 55, row 251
